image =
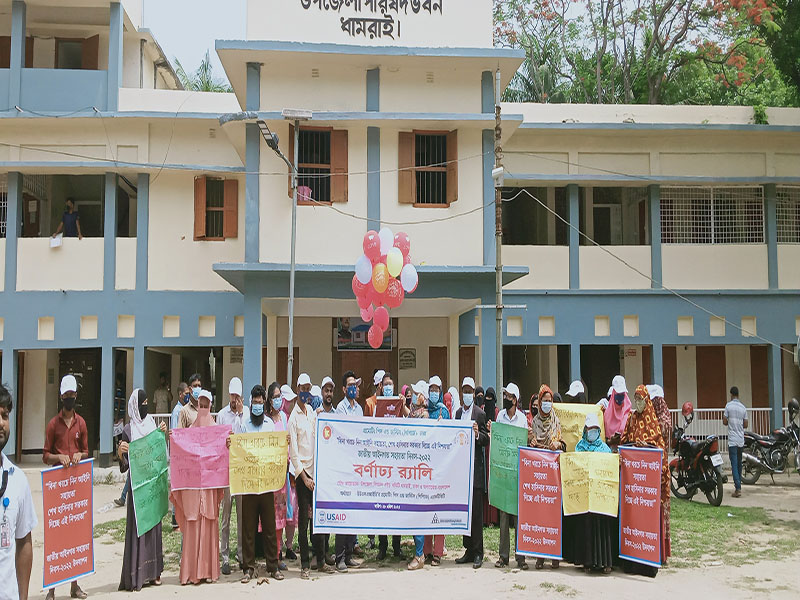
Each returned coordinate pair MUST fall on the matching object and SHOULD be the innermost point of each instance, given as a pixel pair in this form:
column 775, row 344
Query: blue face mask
column 619, row 398
column 305, row 397
column 195, row 392
column 388, row 390
column 257, row 409
column 352, row 390
column 277, row 403
column 433, row 400
column 467, row 398
column 592, row 435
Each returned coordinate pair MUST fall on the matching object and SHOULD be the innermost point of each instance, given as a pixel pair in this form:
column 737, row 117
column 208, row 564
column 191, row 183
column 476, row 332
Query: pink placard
column 199, row 458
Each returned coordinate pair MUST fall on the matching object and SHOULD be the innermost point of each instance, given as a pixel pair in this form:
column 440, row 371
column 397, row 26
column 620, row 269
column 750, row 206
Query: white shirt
column 344, row 408
column 21, row 518
column 302, row 433
column 519, row 420
column 466, row 414
column 227, row 417
column 249, row 427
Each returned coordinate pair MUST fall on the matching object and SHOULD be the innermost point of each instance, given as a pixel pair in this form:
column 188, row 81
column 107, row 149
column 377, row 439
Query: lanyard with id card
column 5, row 526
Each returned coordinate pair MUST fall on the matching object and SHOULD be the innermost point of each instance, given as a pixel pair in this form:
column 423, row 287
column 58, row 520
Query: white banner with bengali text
column 393, row 476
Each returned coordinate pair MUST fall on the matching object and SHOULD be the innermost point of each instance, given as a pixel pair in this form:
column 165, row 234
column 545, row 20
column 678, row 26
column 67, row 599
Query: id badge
column 5, row 533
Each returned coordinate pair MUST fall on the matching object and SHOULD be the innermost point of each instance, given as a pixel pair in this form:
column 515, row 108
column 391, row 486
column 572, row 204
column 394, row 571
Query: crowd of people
column 589, row 540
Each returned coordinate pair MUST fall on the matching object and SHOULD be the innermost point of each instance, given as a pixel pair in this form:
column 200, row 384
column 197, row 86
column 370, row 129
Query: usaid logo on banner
column 435, row 520
column 323, row 517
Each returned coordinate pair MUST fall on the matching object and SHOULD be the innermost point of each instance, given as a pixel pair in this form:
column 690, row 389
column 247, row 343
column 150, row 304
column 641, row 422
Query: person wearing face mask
column 419, row 410
column 288, row 399
column 385, row 388
column 616, row 410
column 408, row 394
column 316, row 397
column 436, row 407
column 188, row 413
column 490, row 404
column 644, row 430
column 143, row 559
column 590, row 539
column 258, row 507
column 183, row 398
column 545, row 433
column 235, row 414
column 70, row 221
column 16, row 554
column 282, row 500
column 473, row 544
column 576, row 392
column 66, row 442
column 327, row 389
column 455, row 401
column 510, row 415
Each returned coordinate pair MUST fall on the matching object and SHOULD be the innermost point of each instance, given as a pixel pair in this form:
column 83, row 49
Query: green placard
column 149, row 480
column 504, row 465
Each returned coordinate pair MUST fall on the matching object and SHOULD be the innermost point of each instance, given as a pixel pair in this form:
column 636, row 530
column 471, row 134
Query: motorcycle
column 697, row 463
column 770, row 453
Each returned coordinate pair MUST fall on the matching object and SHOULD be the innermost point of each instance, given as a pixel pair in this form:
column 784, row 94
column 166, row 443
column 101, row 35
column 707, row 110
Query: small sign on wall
column 237, row 355
column 407, row 358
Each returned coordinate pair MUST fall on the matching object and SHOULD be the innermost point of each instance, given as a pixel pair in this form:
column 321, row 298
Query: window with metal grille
column 788, row 201
column 314, row 164
column 215, row 207
column 430, row 168
column 712, row 215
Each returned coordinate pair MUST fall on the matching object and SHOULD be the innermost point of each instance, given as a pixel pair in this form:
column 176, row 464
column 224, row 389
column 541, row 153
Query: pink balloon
column 402, row 242
column 394, row 293
column 367, row 313
column 375, row 337
column 364, row 301
column 372, row 245
column 359, row 289
column 381, row 316
column 407, row 259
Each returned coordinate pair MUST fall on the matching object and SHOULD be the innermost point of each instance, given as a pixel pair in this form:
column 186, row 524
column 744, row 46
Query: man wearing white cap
column 371, row 403
column 66, row 442
column 510, row 415
column 327, row 388
column 234, row 415
column 576, row 392
column 473, row 543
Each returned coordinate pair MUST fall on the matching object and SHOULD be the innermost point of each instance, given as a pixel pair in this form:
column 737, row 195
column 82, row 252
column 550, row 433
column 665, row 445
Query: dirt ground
column 778, row 579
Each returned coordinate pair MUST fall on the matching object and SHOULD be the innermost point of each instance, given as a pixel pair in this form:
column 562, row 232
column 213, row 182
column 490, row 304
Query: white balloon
column 409, row 278
column 364, row 269
column 387, row 240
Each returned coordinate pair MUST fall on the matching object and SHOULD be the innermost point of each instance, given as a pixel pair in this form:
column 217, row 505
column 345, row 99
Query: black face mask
column 69, row 403
column 507, row 404
column 143, row 410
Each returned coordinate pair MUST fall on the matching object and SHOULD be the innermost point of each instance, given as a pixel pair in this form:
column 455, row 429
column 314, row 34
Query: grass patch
column 558, row 588
column 517, row 586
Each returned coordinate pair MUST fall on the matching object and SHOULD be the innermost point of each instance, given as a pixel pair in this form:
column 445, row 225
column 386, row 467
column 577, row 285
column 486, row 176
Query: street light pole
column 290, row 349
column 498, row 237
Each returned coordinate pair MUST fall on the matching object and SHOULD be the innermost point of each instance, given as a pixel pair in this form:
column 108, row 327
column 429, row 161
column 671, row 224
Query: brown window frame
column 229, row 208
column 407, row 177
column 337, row 169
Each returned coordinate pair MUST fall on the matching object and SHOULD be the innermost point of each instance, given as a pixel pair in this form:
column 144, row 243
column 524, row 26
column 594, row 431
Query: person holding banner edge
column 545, row 433
column 387, row 391
column 143, row 559
column 473, row 543
column 419, row 410
column 510, row 415
column 66, row 443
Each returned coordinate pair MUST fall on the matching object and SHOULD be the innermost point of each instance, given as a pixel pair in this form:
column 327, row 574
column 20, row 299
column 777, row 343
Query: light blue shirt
column 249, row 427
column 173, row 420
column 344, row 408
column 736, row 413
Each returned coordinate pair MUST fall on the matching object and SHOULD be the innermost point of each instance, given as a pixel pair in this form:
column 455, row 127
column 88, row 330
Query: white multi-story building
column 186, row 214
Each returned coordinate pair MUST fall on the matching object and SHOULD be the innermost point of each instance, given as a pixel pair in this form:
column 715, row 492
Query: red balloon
column 359, row 289
column 374, row 297
column 394, row 294
column 407, row 259
column 381, row 317
column 364, row 301
column 372, row 246
column 375, row 337
column 367, row 313
column 380, row 259
column 402, row 242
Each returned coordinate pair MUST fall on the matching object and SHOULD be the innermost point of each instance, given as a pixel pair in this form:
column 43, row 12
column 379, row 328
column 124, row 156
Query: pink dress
column 197, row 513
column 280, row 495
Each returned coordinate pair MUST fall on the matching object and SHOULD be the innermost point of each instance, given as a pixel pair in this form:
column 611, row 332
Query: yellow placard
column 590, row 483
column 258, row 462
column 573, row 418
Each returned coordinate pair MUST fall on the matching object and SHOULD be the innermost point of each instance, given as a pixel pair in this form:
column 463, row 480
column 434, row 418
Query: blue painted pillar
column 10, row 372
column 252, row 222
column 110, row 234
column 655, row 239
column 106, row 405
column 374, row 90
column 142, row 230
column 114, row 72
column 373, row 178
column 138, row 366
column 487, row 92
column 771, row 232
column 13, row 220
column 489, row 250
column 657, row 364
column 253, row 337
column 574, row 361
column 18, row 30
column 489, row 375
column 775, row 374
column 574, row 239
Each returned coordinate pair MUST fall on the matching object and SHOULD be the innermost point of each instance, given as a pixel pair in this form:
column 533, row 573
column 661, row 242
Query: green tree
column 203, row 79
column 783, row 39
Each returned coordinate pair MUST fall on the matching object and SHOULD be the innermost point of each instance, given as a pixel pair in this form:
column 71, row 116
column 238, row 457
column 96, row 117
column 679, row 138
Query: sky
column 187, row 28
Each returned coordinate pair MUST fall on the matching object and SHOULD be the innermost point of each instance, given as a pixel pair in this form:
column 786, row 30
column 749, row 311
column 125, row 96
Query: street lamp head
column 296, row 114
column 270, row 138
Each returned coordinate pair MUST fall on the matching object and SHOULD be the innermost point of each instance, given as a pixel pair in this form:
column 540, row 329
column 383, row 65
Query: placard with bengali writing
column 199, row 458
column 504, row 465
column 573, row 418
column 258, row 462
column 590, row 483
column 67, row 505
column 640, row 506
column 539, row 524
column 149, row 480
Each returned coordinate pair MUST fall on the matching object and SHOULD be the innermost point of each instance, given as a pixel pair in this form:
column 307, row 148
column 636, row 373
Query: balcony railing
column 708, row 421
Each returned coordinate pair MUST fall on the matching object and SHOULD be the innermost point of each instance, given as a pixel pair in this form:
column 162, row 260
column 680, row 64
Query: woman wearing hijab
column 490, row 402
column 419, row 410
column 643, row 429
column 197, row 513
column 281, row 507
column 436, row 407
column 665, row 422
column 589, row 539
column 408, row 394
column 455, row 401
column 143, row 561
column 616, row 410
column 545, row 433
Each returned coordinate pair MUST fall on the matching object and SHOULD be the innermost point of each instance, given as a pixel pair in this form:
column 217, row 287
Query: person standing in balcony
column 735, row 417
column 70, row 221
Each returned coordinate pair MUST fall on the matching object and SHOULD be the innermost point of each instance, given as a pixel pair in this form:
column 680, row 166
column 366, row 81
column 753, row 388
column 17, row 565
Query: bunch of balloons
column 384, row 275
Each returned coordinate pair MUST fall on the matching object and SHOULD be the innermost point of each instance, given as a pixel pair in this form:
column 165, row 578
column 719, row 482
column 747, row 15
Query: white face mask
column 547, row 407
column 467, row 398
column 639, row 404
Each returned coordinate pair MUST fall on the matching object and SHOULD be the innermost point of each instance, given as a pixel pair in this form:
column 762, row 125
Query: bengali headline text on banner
column 640, row 509
column 539, row 524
